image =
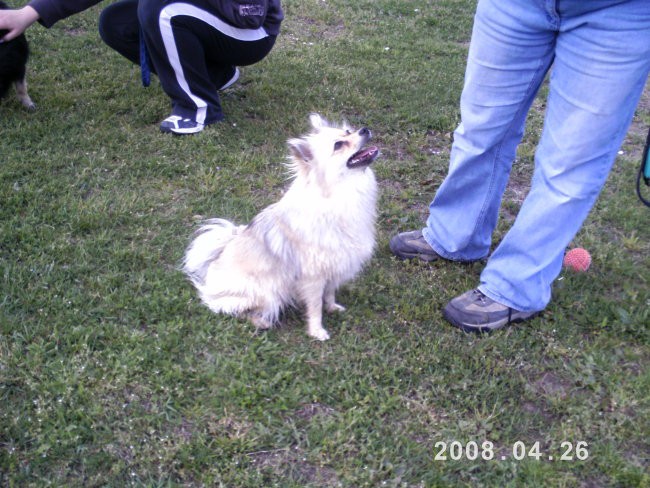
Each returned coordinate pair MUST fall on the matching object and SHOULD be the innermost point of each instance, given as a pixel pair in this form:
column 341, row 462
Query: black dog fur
column 13, row 66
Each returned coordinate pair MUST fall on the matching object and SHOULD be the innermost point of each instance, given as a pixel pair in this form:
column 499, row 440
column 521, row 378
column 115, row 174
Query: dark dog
column 13, row 62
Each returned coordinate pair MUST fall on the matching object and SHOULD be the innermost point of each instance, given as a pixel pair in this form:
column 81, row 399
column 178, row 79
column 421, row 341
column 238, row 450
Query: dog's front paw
column 319, row 334
column 27, row 102
column 334, row 307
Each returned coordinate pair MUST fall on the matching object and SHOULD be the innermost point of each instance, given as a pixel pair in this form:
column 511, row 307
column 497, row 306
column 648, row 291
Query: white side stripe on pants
column 165, row 23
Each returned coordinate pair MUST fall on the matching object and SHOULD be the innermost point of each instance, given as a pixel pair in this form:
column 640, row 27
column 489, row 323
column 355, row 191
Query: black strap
column 145, row 62
column 644, row 171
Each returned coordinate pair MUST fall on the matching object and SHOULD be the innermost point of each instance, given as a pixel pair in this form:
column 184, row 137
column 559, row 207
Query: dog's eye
column 338, row 145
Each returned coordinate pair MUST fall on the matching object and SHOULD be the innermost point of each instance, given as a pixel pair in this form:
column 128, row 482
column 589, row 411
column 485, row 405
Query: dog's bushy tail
column 206, row 246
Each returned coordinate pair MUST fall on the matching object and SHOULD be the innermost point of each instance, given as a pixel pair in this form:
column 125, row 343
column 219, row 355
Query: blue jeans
column 599, row 51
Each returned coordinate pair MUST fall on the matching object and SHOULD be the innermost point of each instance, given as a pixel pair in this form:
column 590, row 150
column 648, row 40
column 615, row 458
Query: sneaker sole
column 487, row 328
column 422, row 257
column 180, row 132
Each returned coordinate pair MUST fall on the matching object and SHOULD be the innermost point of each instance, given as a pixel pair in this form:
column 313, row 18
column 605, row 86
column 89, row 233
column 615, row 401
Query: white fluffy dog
column 299, row 250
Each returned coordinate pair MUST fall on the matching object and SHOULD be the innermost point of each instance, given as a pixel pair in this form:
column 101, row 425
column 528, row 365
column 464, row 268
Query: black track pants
column 192, row 50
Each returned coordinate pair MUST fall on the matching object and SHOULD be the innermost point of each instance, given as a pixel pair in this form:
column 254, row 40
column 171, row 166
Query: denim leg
column 510, row 53
column 602, row 60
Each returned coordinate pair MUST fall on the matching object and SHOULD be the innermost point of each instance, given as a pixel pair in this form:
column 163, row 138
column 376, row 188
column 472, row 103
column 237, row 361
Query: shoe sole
column 180, row 132
column 485, row 328
column 422, row 257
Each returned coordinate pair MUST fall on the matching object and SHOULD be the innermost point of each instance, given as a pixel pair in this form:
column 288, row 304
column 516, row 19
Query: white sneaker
column 178, row 125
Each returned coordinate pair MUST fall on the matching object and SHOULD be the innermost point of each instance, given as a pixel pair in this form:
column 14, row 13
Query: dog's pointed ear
column 300, row 150
column 301, row 157
column 318, row 122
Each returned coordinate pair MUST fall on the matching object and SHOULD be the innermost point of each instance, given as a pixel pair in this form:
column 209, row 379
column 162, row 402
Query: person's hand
column 16, row 21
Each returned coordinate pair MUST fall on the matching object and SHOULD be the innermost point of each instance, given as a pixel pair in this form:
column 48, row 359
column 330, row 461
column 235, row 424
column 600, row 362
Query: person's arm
column 47, row 12
column 51, row 11
column 16, row 21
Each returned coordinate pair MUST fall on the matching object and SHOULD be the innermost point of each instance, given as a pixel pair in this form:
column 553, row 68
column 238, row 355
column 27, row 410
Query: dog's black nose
column 364, row 131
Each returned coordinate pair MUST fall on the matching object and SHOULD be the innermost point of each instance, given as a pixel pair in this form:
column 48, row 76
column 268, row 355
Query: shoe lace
column 485, row 300
column 480, row 297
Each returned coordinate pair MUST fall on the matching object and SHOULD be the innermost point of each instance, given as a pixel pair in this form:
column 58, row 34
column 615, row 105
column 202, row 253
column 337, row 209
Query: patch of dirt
column 76, row 32
column 518, row 187
column 438, row 142
column 308, row 31
column 515, row 193
column 288, row 464
column 311, row 410
column 536, row 409
column 185, row 430
column 228, row 426
column 552, row 385
column 593, row 483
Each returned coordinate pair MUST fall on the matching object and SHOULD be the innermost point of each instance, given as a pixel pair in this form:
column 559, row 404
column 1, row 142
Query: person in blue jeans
column 598, row 56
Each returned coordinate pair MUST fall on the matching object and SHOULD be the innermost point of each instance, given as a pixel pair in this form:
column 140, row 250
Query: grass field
column 113, row 374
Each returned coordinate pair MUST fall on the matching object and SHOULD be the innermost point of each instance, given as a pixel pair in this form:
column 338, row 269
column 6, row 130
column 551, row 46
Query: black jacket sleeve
column 51, row 11
column 274, row 18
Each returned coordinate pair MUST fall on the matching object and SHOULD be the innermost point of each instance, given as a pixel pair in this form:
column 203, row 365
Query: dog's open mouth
column 363, row 157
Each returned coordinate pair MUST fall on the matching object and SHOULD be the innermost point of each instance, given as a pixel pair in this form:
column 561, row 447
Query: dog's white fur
column 299, row 250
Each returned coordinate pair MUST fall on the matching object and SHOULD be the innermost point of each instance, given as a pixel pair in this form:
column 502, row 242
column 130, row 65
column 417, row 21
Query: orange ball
column 577, row 259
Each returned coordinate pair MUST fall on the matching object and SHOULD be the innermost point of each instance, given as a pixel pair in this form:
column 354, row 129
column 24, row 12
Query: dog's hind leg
column 23, row 96
column 259, row 320
column 330, row 300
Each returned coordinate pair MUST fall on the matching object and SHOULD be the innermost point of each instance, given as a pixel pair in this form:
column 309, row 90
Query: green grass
column 113, row 374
